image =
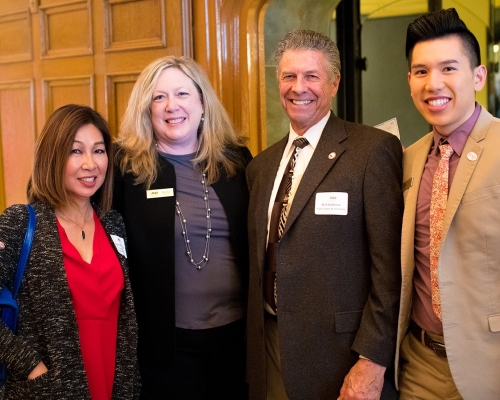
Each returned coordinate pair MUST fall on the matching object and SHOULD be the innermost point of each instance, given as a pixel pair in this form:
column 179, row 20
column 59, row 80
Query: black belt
column 437, row 347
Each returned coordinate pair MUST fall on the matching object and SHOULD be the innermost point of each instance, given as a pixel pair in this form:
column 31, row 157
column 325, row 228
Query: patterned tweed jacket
column 47, row 327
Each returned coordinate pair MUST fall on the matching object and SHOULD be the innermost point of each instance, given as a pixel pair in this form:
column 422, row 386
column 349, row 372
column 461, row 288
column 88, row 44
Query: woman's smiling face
column 176, row 112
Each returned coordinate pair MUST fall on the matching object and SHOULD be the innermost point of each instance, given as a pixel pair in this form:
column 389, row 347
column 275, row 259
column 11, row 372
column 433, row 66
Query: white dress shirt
column 312, row 135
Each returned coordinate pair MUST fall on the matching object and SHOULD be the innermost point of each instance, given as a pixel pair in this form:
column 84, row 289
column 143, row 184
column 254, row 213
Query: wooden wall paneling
column 33, row 4
column 9, row 6
column 15, row 37
column 143, row 24
column 254, row 70
column 66, row 29
column 228, row 43
column 134, row 24
column 64, row 90
column 118, row 89
column 187, row 27
column 84, row 51
column 206, row 46
column 130, row 42
column 17, row 132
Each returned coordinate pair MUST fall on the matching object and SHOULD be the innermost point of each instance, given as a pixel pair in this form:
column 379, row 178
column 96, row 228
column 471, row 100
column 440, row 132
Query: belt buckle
column 439, row 349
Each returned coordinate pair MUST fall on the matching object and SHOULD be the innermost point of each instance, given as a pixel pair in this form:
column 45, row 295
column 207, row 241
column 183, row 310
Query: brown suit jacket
column 338, row 275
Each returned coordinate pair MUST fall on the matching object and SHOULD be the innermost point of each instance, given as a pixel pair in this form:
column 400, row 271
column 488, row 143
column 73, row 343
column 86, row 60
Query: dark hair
column 441, row 24
column 305, row 39
column 52, row 151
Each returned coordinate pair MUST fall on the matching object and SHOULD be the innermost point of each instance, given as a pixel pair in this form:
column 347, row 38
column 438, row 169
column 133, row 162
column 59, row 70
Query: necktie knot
column 300, row 142
column 446, row 151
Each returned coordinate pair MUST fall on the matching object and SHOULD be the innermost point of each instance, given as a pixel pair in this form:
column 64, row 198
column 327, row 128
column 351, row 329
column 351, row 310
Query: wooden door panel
column 66, row 29
column 75, row 51
column 61, row 91
column 118, row 89
column 134, row 24
column 17, row 119
column 15, row 37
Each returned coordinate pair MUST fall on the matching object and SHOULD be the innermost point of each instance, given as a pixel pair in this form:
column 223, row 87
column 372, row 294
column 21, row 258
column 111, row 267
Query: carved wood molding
column 33, row 6
column 73, row 17
column 6, row 87
column 57, row 91
column 118, row 37
column 228, row 43
column 16, row 25
column 117, row 101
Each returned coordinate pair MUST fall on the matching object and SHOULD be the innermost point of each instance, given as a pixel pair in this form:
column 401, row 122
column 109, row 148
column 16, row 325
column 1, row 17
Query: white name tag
column 331, row 203
column 120, row 245
column 156, row 193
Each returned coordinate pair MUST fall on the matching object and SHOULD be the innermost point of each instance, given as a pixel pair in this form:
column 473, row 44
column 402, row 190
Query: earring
column 202, row 117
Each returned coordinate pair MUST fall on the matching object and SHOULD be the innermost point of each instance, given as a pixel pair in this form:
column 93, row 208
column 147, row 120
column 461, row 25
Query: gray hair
column 306, row 39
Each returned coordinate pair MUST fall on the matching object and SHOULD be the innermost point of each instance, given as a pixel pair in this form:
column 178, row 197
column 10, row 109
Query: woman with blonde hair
column 180, row 186
column 77, row 333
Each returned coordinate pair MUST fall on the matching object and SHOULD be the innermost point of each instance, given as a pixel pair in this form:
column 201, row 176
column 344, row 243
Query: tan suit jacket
column 469, row 264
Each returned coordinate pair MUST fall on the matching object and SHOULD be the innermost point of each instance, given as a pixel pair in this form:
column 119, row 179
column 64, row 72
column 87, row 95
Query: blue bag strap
column 25, row 252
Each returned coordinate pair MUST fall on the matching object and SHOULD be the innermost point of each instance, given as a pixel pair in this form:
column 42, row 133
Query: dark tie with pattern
column 279, row 215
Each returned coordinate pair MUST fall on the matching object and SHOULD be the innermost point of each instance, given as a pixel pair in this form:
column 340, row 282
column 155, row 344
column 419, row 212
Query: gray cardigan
column 47, row 327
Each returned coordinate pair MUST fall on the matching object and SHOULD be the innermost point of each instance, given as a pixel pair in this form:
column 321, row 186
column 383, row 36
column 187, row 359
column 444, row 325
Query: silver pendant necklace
column 199, row 265
column 76, row 223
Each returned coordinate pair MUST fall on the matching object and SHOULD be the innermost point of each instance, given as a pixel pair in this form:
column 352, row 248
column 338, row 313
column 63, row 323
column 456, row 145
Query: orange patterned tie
column 439, row 198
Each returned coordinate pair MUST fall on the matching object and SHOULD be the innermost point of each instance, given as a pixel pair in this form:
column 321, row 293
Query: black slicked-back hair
column 438, row 25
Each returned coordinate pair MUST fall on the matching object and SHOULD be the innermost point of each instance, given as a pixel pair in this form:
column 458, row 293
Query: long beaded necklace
column 199, row 265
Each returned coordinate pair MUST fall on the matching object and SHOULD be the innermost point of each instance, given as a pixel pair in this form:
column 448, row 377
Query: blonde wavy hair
column 218, row 142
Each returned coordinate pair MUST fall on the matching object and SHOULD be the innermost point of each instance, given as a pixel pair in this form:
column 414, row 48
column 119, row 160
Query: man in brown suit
column 330, row 329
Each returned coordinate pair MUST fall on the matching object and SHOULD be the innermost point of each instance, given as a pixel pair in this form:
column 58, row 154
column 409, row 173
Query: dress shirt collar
column 459, row 136
column 312, row 135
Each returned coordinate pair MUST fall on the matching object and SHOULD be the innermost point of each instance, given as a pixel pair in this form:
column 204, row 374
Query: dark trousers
column 210, row 365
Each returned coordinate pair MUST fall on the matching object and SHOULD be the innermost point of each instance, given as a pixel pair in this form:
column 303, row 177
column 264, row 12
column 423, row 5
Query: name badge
column 120, row 245
column 331, row 203
column 156, row 193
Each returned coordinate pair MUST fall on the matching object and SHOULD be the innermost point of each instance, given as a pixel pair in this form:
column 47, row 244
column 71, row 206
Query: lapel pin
column 471, row 156
column 332, row 155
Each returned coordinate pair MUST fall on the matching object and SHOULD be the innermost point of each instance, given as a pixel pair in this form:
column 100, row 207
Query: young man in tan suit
column 449, row 324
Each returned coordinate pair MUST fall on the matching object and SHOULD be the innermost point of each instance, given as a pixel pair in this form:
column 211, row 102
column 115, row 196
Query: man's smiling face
column 443, row 83
column 305, row 89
